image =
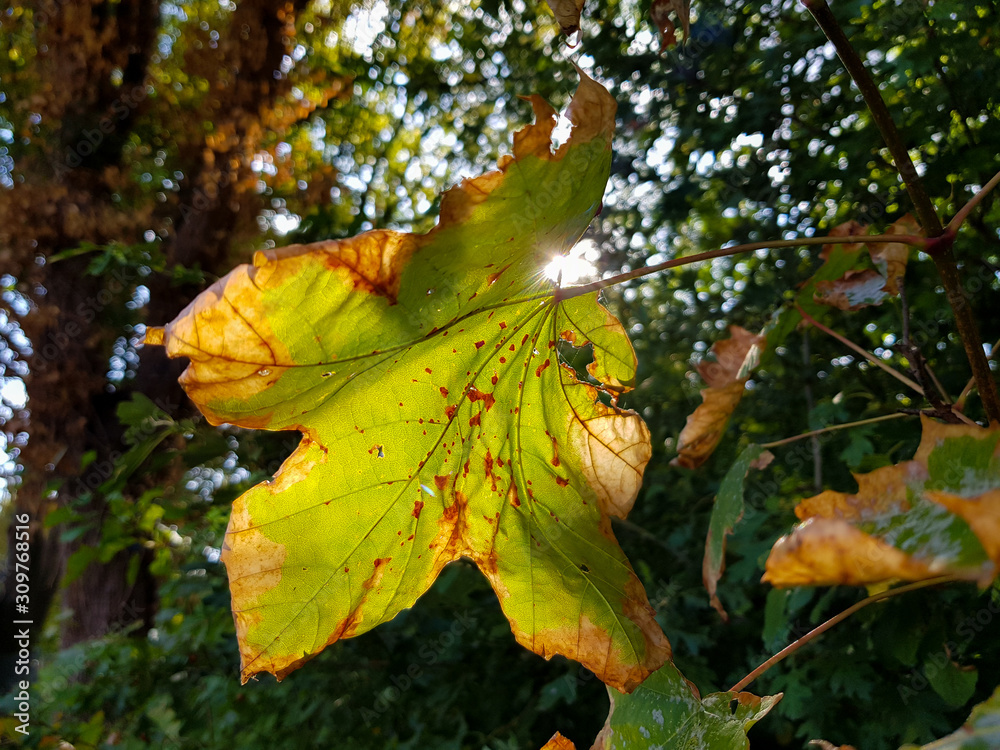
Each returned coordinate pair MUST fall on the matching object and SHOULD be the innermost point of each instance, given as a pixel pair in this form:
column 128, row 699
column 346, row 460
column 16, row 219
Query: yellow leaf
column 982, row 513
column 558, row 742
column 831, row 552
column 937, row 514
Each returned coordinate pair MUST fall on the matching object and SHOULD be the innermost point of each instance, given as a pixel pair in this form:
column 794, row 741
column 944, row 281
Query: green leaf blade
column 438, row 420
column 666, row 712
column 726, row 513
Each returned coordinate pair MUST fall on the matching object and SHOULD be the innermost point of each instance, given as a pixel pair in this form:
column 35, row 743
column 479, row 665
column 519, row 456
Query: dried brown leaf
column 847, row 229
column 726, row 377
column 567, row 13
column 852, row 291
column 662, row 11
column 890, row 257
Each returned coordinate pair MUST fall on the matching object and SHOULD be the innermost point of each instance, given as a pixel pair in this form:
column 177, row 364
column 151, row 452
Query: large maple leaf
column 438, row 420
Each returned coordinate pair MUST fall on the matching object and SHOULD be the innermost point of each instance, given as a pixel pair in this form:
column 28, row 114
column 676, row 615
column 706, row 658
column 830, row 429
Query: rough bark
column 92, row 67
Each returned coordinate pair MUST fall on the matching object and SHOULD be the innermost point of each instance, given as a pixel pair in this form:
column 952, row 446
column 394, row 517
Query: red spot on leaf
column 555, row 449
column 492, row 278
column 379, row 562
column 449, row 411
column 444, row 391
column 562, row 482
column 541, row 368
column 494, row 379
column 487, row 398
column 502, row 324
column 512, row 496
column 503, row 360
column 427, row 370
column 475, row 421
column 440, row 482
column 479, row 344
column 417, row 507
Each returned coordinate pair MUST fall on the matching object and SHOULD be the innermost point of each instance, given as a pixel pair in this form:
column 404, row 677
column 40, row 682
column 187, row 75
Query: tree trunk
column 93, row 61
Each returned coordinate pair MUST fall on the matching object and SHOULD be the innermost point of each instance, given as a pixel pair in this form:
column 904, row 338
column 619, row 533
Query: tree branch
column 939, row 250
column 816, row 632
column 638, row 273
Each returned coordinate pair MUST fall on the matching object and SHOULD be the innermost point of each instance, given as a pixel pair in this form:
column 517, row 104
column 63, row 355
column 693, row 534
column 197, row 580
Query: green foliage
column 981, row 731
column 726, row 513
column 666, row 711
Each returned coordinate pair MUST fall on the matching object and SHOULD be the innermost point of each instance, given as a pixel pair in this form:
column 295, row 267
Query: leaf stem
column 967, row 209
column 854, row 347
column 815, row 632
column 833, row 428
column 940, row 242
column 596, row 286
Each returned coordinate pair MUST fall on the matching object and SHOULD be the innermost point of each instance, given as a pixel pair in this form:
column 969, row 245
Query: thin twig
column 596, row 286
column 854, row 347
column 937, row 383
column 832, row 428
column 967, row 209
column 815, row 632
